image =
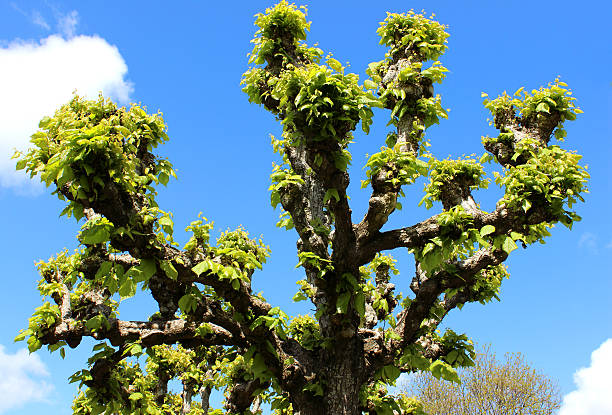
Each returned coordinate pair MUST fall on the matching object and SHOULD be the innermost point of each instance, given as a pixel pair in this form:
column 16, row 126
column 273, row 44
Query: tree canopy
column 490, row 387
column 211, row 330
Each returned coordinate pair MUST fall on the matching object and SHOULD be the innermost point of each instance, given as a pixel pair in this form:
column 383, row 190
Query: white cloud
column 36, row 77
column 20, row 382
column 592, row 395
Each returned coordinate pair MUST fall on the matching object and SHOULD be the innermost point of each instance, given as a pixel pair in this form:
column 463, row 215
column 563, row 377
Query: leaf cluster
column 465, row 173
column 552, row 178
column 322, row 103
column 281, row 30
column 400, row 167
column 413, row 34
column 88, row 144
column 536, row 105
column 305, row 329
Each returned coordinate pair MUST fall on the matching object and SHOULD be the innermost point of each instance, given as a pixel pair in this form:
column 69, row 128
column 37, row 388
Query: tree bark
column 344, row 372
column 343, row 383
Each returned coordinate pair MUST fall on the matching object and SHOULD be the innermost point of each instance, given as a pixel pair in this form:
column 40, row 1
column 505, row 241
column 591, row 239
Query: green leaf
column 167, row 224
column 203, row 330
column 331, row 193
column 201, row 267
column 517, row 236
column 428, row 248
column 77, row 211
column 99, row 346
column 169, row 269
column 163, row 178
column 452, row 356
column 142, row 272
column 509, row 245
column 259, row 367
column 435, row 368
column 148, row 268
column 95, row 235
column 390, row 373
column 360, row 304
column 23, row 334
column 275, row 198
column 104, row 269
column 486, row 158
column 21, row 164
column 127, row 289
column 487, row 230
column 369, row 84
column 94, row 323
column 65, row 175
column 132, row 349
column 543, row 107
column 526, row 205
column 443, row 370
column 335, row 65
column 342, row 302
column 136, row 396
column 299, row 296
column 34, row 344
column 187, row 303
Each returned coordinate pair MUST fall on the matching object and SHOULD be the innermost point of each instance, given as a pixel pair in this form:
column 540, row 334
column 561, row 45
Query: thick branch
column 305, row 203
column 384, row 195
column 149, row 333
column 410, row 329
column 418, row 235
column 430, row 288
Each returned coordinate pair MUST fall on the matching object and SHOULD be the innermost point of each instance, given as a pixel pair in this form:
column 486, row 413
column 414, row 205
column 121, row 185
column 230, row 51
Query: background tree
column 100, row 160
column 490, row 387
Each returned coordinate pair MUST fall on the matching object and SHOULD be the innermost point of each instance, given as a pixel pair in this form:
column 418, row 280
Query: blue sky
column 187, row 59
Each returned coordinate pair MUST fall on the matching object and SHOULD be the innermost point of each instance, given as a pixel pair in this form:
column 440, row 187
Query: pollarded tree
column 100, row 160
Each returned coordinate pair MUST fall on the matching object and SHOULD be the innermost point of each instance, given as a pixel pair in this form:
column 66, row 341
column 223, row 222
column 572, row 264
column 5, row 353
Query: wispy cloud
column 36, row 77
column 33, row 16
column 67, row 23
column 39, row 20
column 589, row 241
column 21, row 381
column 592, row 395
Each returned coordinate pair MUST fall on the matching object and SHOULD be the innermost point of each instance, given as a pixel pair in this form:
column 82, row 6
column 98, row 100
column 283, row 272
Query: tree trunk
column 344, row 371
column 205, row 394
column 343, row 376
column 186, row 398
column 161, row 386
